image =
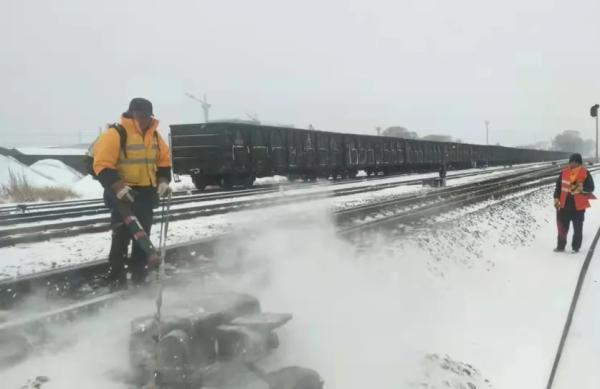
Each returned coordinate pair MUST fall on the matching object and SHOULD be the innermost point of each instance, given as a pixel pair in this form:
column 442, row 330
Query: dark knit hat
column 140, row 106
column 576, row 158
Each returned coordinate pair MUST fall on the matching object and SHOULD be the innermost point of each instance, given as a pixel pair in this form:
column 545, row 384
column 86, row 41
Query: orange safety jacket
column 145, row 153
column 575, row 188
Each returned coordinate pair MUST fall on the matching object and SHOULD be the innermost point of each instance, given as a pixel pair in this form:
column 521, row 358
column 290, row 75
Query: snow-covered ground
column 29, row 258
column 485, row 289
column 477, row 301
column 580, row 359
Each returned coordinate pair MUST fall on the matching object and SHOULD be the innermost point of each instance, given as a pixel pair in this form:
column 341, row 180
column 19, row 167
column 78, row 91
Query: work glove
column 557, row 203
column 163, row 189
column 123, row 192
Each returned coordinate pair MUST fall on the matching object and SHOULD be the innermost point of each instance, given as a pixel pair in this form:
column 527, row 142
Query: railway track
column 10, row 214
column 97, row 207
column 391, row 212
column 33, row 208
column 69, row 281
column 37, row 212
column 35, row 230
column 452, row 199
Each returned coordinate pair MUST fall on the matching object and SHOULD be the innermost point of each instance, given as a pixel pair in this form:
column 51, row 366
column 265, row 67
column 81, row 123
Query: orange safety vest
column 582, row 200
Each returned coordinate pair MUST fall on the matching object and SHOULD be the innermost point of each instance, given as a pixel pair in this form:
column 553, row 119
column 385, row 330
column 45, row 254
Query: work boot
column 559, row 250
column 118, row 284
column 139, row 277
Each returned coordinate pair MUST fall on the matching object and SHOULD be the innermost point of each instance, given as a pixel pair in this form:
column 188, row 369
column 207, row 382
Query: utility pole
column 487, row 132
column 594, row 114
column 205, row 105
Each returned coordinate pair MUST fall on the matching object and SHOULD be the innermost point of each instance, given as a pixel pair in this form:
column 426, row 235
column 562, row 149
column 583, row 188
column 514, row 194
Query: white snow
column 381, row 311
column 185, row 184
column 580, row 359
column 47, row 173
column 88, row 188
column 52, row 150
column 274, row 180
column 56, row 170
column 9, row 165
column 485, row 289
column 23, row 259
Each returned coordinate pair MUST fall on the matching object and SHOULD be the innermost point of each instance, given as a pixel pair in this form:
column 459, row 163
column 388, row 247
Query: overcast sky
column 434, row 66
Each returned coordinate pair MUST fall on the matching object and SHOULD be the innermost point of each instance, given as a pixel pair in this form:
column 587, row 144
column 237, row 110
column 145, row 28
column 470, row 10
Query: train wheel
column 249, row 182
column 226, row 183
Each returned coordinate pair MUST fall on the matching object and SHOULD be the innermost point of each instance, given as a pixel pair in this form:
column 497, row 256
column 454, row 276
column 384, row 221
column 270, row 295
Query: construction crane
column 204, row 102
column 253, row 117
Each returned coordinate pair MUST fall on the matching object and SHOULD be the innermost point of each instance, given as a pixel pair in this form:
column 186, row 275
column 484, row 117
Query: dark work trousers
column 564, row 217
column 146, row 199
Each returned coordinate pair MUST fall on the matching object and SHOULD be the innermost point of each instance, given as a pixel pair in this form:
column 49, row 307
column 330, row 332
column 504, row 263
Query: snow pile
column 10, row 166
column 47, row 173
column 274, row 180
column 185, row 184
column 57, row 171
column 88, row 188
column 52, row 151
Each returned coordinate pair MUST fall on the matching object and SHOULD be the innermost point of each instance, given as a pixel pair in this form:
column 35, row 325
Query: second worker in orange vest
column 572, row 196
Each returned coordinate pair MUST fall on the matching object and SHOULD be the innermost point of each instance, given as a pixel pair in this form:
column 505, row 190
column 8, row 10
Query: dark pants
column 564, row 217
column 146, row 200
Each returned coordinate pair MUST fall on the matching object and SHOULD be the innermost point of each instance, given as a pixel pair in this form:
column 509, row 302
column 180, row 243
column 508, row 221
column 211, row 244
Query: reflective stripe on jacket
column 144, row 153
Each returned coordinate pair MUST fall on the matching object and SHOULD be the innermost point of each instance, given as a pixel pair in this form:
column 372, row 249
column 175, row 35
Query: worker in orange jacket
column 133, row 164
column 572, row 196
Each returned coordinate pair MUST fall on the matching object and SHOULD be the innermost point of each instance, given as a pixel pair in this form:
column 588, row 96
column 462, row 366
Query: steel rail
column 40, row 232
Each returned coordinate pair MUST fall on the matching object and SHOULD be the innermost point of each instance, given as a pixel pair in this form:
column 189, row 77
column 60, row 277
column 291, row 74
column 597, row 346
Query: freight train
column 235, row 154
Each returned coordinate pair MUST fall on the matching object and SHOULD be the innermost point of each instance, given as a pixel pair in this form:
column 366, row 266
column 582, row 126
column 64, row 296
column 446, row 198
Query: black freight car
column 234, row 154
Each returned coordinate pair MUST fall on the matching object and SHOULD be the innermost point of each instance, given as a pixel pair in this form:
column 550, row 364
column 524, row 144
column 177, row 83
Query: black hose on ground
column 567, row 327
